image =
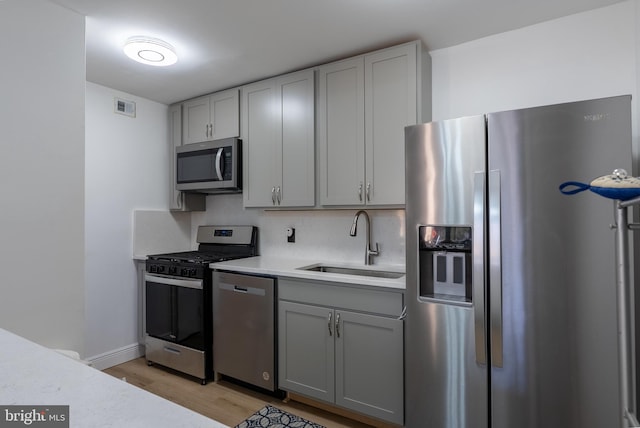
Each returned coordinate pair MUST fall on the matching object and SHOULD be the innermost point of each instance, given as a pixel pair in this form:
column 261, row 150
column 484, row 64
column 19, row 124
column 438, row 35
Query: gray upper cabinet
column 341, row 132
column 364, row 104
column 390, row 105
column 179, row 201
column 342, row 345
column 212, row 117
column 279, row 141
column 260, row 155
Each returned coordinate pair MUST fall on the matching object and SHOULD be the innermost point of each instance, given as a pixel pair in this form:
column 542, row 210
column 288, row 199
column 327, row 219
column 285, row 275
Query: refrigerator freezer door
column 558, row 304
column 445, row 385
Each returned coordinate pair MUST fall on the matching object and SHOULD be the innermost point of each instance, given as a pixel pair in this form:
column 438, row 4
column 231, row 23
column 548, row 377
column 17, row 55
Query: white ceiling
column 225, row 43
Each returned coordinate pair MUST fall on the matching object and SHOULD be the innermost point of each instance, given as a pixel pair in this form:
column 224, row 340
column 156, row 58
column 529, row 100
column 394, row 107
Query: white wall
column 583, row 56
column 126, row 170
column 42, row 78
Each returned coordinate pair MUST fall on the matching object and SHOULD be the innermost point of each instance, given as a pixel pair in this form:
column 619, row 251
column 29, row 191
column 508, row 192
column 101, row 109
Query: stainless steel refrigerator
column 511, row 298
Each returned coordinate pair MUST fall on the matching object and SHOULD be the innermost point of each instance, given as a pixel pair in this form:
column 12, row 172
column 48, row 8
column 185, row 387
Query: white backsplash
column 320, row 234
column 156, row 231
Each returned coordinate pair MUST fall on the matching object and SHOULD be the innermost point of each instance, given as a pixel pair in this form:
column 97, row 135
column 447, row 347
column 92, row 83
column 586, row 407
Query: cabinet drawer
column 342, row 296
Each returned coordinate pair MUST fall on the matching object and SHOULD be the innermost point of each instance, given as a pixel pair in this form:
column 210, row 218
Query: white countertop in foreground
column 31, row 374
column 287, row 267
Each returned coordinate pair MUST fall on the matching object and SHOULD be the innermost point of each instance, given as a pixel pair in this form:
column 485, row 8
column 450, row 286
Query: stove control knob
column 193, row 272
column 184, row 272
column 172, row 270
column 160, row 269
column 153, row 268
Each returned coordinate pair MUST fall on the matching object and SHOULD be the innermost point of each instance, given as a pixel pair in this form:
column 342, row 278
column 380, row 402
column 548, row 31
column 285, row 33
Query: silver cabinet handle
column 360, row 191
column 495, row 269
column 279, row 195
column 338, row 324
column 219, row 163
column 179, row 200
column 206, row 130
column 211, row 130
column 478, row 257
column 329, row 325
column 273, row 195
column 368, row 192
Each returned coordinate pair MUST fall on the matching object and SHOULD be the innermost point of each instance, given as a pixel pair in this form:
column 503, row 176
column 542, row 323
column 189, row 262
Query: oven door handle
column 178, row 282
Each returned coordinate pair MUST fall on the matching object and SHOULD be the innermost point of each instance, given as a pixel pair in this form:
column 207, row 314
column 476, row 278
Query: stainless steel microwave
column 210, row 167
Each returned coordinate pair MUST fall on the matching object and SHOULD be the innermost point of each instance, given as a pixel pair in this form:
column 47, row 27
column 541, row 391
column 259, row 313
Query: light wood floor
column 223, row 401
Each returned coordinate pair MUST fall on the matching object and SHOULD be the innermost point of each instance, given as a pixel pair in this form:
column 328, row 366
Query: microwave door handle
column 219, row 164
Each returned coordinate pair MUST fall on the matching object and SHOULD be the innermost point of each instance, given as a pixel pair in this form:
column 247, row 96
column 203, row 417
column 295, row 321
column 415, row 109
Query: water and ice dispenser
column 445, row 262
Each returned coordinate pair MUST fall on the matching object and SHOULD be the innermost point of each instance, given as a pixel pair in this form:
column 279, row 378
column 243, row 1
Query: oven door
column 174, row 310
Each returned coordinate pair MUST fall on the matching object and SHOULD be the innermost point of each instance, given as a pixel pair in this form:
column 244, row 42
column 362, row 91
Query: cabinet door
column 306, row 350
column 179, row 201
column 262, row 153
column 142, row 295
column 369, row 365
column 341, row 132
column 225, row 114
column 296, row 100
column 196, row 124
column 175, row 137
column 390, row 105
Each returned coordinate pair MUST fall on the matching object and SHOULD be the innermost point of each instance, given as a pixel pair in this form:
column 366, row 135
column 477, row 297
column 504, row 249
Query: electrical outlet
column 291, row 234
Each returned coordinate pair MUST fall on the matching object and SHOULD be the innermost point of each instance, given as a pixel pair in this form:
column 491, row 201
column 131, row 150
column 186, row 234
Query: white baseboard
column 117, row 356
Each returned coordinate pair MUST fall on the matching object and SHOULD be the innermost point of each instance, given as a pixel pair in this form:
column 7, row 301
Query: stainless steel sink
column 353, row 271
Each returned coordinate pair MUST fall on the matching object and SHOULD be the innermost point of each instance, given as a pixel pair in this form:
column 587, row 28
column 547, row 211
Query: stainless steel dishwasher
column 244, row 336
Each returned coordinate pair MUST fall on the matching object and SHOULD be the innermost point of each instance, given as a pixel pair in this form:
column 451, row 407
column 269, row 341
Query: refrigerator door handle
column 495, row 269
column 478, row 257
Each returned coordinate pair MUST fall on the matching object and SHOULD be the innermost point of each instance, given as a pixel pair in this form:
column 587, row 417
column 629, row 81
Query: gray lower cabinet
column 306, row 350
column 342, row 353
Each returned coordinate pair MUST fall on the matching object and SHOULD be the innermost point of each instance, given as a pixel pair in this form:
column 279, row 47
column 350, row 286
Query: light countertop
column 32, row 375
column 288, row 267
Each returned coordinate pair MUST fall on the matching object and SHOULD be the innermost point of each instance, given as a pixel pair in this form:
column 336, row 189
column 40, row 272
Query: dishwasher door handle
column 242, row 290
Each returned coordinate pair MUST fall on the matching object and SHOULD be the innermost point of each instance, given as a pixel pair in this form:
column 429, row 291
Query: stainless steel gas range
column 178, row 299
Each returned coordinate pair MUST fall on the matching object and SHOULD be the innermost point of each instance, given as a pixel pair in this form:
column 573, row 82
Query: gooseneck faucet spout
column 354, row 230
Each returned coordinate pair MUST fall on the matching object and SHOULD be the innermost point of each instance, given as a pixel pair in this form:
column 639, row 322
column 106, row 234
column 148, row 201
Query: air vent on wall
column 128, row 108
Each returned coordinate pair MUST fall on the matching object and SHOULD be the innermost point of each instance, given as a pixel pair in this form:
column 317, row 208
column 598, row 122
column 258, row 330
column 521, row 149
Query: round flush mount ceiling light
column 148, row 50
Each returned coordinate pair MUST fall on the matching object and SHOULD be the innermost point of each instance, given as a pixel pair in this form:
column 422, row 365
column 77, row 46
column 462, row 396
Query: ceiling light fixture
column 148, row 50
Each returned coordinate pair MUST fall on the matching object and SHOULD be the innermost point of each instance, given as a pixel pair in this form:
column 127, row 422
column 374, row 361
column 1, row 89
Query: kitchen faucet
column 354, row 230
